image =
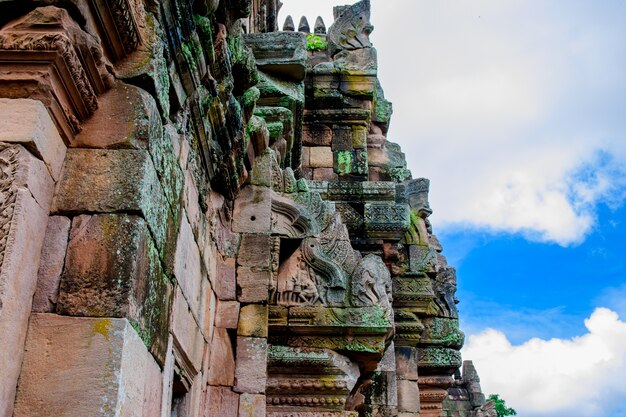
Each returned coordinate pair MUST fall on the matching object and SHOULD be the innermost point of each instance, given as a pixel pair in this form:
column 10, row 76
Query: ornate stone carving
column 386, row 221
column 371, row 283
column 306, row 380
column 119, row 27
column 294, row 283
column 445, row 287
column 45, row 55
column 351, row 29
column 8, row 194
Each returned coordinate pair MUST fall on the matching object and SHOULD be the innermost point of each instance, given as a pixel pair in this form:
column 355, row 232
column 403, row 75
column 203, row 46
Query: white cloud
column 503, row 105
column 578, row 377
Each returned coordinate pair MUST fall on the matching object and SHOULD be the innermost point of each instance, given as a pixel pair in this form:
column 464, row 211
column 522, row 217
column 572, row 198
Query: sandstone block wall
column 202, row 216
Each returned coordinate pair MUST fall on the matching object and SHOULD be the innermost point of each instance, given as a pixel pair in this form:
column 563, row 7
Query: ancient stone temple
column 201, row 216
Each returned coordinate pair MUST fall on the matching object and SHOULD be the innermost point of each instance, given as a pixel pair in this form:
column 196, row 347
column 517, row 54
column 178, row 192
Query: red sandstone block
column 253, row 320
column 252, row 405
column 251, row 370
column 112, row 269
column 28, row 122
column 252, row 285
column 188, row 268
column 126, row 118
column 227, row 315
column 324, row 174
column 253, row 210
column 222, row 402
column 225, row 282
column 317, row 135
column 51, row 266
column 255, row 251
column 408, row 396
column 222, row 362
column 76, row 366
column 186, row 331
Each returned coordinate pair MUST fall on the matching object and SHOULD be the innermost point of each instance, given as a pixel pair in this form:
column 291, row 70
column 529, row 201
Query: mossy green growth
column 189, row 56
column 315, row 43
column 275, row 129
column 345, row 160
column 250, row 97
column 205, row 33
column 398, row 174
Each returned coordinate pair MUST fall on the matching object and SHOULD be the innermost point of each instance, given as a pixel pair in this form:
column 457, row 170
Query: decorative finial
column 320, row 27
column 304, row 25
column 289, row 26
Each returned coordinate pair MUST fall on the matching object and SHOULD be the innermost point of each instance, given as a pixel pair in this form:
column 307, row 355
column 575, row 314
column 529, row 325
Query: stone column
column 31, row 154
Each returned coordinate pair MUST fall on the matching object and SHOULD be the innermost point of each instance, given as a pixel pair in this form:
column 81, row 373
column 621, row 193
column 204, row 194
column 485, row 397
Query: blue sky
column 516, row 111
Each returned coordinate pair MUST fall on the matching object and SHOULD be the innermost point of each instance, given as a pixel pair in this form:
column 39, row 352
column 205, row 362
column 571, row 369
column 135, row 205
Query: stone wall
column 201, row 216
column 465, row 396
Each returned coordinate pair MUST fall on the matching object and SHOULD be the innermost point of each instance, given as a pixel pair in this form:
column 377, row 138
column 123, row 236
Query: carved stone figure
column 445, row 287
column 371, row 283
column 294, row 284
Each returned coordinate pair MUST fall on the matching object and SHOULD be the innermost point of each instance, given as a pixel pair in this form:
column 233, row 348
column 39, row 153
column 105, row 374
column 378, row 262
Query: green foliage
column 501, row 407
column 315, row 43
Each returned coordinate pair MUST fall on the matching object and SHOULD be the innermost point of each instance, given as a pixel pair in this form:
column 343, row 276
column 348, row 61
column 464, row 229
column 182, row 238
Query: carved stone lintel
column 308, row 380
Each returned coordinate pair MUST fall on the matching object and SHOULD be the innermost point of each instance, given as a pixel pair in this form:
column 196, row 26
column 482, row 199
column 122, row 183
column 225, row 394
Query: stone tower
column 201, row 216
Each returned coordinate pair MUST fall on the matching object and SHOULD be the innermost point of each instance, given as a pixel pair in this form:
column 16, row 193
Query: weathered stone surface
column 225, row 282
column 406, row 363
column 167, row 379
column 188, row 268
column 251, row 405
column 51, row 59
column 51, row 266
column 149, row 66
column 70, row 357
column 222, row 366
column 252, row 285
column 113, row 181
column 253, row 320
column 221, row 401
column 127, row 117
column 317, row 135
column 227, row 316
column 324, row 174
column 20, row 249
column 320, row 157
column 29, row 173
column 408, row 396
column 252, row 212
column 27, row 122
column 282, row 54
column 254, row 251
column 250, row 372
column 210, row 310
column 112, row 269
column 186, row 332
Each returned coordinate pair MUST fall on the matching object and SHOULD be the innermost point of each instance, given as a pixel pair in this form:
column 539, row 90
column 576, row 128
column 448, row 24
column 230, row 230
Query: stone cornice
column 46, row 56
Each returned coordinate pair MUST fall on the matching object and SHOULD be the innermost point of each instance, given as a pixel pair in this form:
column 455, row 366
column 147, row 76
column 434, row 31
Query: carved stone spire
column 303, row 26
column 320, row 27
column 289, row 26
